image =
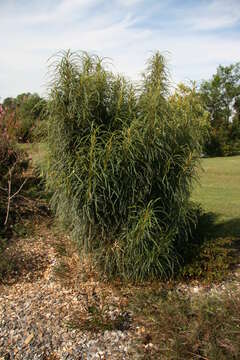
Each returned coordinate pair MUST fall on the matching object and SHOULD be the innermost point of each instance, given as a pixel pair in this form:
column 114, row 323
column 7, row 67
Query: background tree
column 30, row 107
column 221, row 97
column 9, row 103
column 22, row 115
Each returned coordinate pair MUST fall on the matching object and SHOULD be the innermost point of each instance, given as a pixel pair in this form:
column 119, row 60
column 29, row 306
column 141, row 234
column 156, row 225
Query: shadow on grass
column 228, row 228
column 214, row 251
column 210, row 227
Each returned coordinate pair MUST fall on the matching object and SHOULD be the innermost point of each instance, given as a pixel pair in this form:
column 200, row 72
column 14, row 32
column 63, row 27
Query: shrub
column 210, row 261
column 12, row 164
column 21, row 196
column 30, row 113
column 22, row 115
column 122, row 163
column 219, row 143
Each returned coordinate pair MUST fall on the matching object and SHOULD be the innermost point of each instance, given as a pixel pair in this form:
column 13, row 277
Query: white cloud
column 215, row 14
column 61, row 13
column 31, row 37
column 128, row 3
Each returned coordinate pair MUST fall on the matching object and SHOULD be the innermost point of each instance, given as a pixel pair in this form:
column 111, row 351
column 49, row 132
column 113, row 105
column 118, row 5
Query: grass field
column 219, row 187
column 218, row 191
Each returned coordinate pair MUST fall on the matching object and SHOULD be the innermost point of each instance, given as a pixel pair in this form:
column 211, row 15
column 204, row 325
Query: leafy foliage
column 210, row 261
column 22, row 115
column 12, row 166
column 122, row 163
column 13, row 162
column 221, row 97
column 21, row 196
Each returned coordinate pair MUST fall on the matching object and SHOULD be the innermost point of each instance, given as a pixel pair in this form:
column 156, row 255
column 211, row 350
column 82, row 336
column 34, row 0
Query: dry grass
column 167, row 320
column 177, row 324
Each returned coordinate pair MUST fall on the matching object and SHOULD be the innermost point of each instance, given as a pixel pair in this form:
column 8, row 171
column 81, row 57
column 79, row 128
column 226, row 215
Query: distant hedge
column 123, row 159
column 23, row 116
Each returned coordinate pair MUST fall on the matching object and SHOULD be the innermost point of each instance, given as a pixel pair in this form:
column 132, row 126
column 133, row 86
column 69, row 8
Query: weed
column 61, row 270
column 99, row 320
column 184, row 326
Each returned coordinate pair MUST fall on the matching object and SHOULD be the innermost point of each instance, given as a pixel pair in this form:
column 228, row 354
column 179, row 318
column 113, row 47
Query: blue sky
column 196, row 36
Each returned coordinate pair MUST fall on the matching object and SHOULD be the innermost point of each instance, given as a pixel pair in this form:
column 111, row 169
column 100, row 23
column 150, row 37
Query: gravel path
column 53, row 306
column 36, row 311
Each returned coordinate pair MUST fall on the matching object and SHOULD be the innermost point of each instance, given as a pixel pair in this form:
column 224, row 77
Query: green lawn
column 218, row 190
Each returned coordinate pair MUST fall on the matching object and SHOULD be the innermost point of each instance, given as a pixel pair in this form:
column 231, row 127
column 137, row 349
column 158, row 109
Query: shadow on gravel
column 18, row 265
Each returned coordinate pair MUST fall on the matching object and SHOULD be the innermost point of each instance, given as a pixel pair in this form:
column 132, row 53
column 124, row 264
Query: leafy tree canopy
column 221, row 97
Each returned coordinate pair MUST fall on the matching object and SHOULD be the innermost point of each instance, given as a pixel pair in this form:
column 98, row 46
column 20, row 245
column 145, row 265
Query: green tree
column 9, row 103
column 221, row 97
column 29, row 113
column 22, row 115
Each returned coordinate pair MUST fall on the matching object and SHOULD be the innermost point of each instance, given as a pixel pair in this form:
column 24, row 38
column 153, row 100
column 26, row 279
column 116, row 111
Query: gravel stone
column 35, row 309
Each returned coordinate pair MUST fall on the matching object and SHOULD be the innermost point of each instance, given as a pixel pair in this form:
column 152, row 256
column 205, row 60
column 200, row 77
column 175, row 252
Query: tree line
column 20, row 117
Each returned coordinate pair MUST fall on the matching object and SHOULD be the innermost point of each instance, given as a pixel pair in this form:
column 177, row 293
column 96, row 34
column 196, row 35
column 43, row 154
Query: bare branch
column 10, row 197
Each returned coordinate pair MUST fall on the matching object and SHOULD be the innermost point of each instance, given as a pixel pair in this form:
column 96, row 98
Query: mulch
column 49, row 314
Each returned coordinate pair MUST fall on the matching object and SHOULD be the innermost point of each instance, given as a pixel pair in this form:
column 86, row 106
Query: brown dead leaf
column 29, row 339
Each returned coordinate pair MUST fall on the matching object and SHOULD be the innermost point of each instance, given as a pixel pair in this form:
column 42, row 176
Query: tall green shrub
column 122, row 163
